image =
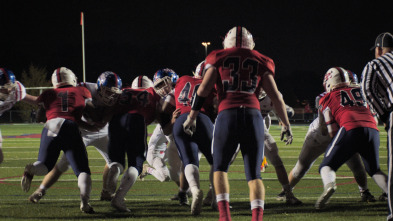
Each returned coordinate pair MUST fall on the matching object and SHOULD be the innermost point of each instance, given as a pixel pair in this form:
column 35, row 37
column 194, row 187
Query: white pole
column 83, row 46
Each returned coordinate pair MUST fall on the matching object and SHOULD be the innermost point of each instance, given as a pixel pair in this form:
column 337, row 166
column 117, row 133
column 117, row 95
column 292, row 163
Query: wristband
column 198, row 102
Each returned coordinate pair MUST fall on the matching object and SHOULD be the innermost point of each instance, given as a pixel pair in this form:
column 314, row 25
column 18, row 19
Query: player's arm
column 30, row 99
column 166, row 118
column 331, row 124
column 204, row 90
column 270, row 87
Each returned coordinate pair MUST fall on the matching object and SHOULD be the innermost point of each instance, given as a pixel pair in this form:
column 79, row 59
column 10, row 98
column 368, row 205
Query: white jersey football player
column 11, row 91
column 104, row 95
column 161, row 148
column 271, row 151
column 315, row 143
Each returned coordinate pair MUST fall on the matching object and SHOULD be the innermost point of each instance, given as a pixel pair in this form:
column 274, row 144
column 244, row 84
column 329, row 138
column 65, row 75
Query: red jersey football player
column 189, row 146
column 64, row 106
column 239, row 73
column 354, row 129
column 127, row 135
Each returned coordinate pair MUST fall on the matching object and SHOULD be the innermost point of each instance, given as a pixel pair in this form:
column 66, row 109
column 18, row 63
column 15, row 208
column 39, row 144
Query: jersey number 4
column 184, row 97
column 247, row 70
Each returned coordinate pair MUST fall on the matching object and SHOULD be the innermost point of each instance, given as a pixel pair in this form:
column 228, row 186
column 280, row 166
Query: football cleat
column 106, row 195
column 86, row 208
column 323, row 200
column 383, row 197
column 196, row 204
column 183, row 199
column 63, row 77
column 119, row 204
column 209, row 198
column 366, row 196
column 27, row 178
column 238, row 37
column 290, row 199
column 281, row 196
column 264, row 164
column 37, row 195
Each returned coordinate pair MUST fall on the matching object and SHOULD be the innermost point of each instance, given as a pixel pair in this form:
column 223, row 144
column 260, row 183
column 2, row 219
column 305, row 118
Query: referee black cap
column 383, row 40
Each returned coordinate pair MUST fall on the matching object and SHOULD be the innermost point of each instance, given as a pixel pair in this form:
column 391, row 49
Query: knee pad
column 299, row 171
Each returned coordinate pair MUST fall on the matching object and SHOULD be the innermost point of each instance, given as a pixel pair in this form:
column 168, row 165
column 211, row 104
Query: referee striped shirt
column 377, row 85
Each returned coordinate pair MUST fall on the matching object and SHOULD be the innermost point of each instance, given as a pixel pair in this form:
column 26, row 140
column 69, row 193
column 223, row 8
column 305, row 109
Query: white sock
column 258, row 203
column 84, row 184
column 127, row 181
column 381, row 180
column 328, row 175
column 222, row 196
column 113, row 176
column 191, row 172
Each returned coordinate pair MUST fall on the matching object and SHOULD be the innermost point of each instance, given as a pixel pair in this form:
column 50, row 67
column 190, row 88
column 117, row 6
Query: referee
column 377, row 88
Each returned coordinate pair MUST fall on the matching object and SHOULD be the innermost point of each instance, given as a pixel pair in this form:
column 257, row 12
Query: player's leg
column 356, row 166
column 252, row 137
column 135, row 148
column 50, row 179
column 389, row 127
column 225, row 144
column 271, row 152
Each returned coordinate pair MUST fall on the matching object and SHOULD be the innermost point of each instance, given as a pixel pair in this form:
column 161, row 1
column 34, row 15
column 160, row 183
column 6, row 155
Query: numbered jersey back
column 66, row 102
column 185, row 90
column 348, row 108
column 240, row 72
column 140, row 101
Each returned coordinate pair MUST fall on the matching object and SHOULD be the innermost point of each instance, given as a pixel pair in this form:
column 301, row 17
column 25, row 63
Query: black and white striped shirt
column 377, row 85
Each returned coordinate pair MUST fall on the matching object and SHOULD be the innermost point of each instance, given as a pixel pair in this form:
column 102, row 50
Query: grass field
column 149, row 199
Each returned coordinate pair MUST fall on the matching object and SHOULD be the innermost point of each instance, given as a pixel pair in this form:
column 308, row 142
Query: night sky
column 304, row 38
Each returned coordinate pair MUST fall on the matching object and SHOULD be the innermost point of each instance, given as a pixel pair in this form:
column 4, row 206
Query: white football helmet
column 238, row 37
column 141, row 82
column 335, row 78
column 199, row 70
column 62, row 77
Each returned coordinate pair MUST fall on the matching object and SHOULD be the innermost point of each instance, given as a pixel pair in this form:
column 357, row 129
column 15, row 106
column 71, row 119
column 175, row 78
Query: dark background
column 304, row 38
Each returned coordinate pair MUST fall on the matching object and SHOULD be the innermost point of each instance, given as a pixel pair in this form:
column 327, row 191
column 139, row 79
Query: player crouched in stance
column 239, row 73
column 127, row 136
column 104, row 95
column 64, row 106
column 354, row 129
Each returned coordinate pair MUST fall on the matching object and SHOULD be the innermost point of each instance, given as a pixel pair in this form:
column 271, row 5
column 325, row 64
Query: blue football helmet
column 109, row 87
column 164, row 80
column 353, row 78
column 7, row 83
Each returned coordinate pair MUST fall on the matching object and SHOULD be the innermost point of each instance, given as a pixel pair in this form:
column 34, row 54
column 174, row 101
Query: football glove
column 189, row 125
column 287, row 132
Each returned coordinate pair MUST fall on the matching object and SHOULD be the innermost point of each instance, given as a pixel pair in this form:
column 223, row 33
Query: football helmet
column 335, row 78
column 7, row 83
column 109, row 87
column 238, row 37
column 353, row 78
column 62, row 77
column 164, row 81
column 199, row 70
column 141, row 82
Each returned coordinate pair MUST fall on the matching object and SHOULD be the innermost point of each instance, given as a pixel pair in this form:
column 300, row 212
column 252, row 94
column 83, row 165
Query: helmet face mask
column 109, row 87
column 164, row 81
column 142, row 82
column 353, row 78
column 336, row 77
column 238, row 37
column 63, row 77
column 7, row 83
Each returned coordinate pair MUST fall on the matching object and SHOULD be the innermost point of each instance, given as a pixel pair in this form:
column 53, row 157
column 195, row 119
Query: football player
column 104, row 95
column 271, row 151
column 64, row 106
column 353, row 129
column 239, row 73
column 190, row 145
column 127, row 136
column 11, row 91
column 315, row 144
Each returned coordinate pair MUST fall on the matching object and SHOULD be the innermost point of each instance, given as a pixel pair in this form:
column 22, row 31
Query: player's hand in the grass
column 287, row 133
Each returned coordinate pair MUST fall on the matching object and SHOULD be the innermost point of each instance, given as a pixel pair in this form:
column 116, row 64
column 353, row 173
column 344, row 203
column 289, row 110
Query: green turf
column 149, row 199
